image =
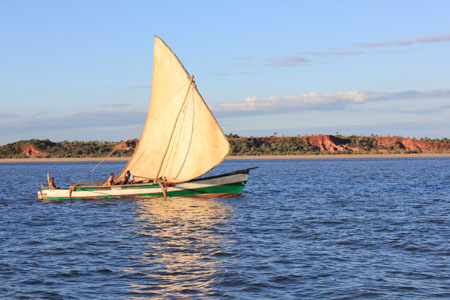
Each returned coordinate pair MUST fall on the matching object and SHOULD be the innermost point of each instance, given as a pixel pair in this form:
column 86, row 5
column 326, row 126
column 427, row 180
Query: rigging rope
column 176, row 135
column 114, row 150
column 174, row 126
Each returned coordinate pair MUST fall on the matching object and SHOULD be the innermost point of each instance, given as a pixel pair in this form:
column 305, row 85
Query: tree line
column 239, row 146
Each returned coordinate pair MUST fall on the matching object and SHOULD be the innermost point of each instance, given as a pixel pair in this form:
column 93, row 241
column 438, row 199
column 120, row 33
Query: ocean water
column 302, row 229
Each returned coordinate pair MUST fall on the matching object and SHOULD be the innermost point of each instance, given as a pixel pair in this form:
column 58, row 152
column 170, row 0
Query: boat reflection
column 184, row 240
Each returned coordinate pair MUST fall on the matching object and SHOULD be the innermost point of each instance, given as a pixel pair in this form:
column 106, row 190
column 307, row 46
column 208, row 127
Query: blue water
column 303, row 229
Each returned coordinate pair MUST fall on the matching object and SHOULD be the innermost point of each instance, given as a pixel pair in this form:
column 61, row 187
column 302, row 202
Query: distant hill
column 335, row 144
column 299, row 145
column 48, row 149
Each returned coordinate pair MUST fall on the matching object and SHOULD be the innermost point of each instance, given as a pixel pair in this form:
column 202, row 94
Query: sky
column 81, row 70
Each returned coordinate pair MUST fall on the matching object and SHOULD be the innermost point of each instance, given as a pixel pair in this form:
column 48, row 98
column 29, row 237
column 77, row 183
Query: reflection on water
column 183, row 237
column 303, row 229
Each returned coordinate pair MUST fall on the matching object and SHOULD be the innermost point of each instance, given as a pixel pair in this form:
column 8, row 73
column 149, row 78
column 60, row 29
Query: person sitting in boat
column 51, row 184
column 110, row 180
column 129, row 178
column 163, row 181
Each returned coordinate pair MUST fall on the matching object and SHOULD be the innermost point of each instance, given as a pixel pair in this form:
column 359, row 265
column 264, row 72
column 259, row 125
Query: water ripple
column 322, row 229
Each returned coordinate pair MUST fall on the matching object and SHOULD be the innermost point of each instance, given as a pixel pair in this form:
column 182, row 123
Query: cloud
column 293, row 61
column 333, row 53
column 390, row 51
column 425, row 39
column 313, row 101
column 288, row 61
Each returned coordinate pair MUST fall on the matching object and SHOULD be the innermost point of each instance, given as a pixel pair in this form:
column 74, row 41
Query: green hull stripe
column 232, row 188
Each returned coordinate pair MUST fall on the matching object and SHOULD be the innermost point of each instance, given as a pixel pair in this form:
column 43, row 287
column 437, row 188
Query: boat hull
column 222, row 185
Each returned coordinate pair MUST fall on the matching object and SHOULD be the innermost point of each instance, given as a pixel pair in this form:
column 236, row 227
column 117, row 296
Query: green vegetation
column 47, row 148
column 261, row 146
column 273, row 145
column 363, row 143
column 443, row 140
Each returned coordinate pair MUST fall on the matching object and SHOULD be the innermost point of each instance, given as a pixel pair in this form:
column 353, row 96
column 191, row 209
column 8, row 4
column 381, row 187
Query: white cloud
column 251, row 98
column 313, row 100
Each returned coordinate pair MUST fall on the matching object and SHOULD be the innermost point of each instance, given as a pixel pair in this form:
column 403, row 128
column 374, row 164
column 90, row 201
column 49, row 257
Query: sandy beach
column 331, row 156
column 328, row 156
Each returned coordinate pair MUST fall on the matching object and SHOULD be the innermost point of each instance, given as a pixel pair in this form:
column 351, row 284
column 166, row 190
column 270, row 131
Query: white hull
column 231, row 183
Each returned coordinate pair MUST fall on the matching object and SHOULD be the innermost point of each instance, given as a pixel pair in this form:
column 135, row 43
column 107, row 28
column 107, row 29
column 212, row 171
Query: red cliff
column 411, row 144
column 128, row 145
column 360, row 144
column 329, row 143
column 30, row 151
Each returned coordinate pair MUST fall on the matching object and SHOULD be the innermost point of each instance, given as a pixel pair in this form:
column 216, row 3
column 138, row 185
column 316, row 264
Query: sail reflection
column 183, row 238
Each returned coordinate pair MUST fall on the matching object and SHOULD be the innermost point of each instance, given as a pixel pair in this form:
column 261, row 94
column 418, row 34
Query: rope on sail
column 114, row 150
column 138, row 155
column 174, row 127
column 181, row 123
column 175, row 138
column 191, row 134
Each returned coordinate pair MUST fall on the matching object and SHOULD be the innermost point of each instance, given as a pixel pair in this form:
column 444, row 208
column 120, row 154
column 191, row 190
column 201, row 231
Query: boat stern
column 42, row 193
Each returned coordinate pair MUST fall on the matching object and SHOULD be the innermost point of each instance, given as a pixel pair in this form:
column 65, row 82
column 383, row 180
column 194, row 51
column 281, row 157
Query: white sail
column 181, row 138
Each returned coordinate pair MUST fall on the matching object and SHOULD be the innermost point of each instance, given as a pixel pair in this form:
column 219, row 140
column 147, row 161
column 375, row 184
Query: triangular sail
column 181, row 138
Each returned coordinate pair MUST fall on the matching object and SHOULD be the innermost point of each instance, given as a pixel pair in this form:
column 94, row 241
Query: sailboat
column 181, row 141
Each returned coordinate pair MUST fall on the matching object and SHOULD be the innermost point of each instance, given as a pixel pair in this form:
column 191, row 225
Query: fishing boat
column 181, row 141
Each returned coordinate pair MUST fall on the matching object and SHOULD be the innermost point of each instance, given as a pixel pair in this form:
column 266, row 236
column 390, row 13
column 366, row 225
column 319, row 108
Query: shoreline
column 324, row 156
